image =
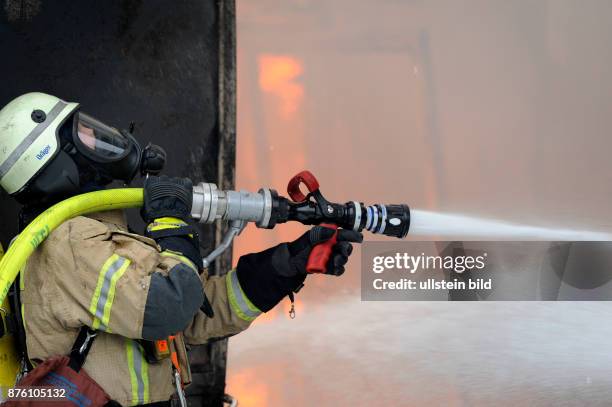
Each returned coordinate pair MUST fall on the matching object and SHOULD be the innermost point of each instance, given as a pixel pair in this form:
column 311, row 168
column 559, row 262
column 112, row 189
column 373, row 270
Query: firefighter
column 120, row 295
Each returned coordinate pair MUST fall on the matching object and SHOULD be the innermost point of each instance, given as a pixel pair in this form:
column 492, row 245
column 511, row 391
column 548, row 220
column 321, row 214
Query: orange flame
column 277, row 76
column 247, row 387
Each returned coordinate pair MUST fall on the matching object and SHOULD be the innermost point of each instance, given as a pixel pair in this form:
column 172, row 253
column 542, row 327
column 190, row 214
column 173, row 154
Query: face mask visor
column 98, row 141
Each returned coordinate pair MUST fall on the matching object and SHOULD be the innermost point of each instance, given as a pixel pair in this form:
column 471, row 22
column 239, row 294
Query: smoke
column 428, row 353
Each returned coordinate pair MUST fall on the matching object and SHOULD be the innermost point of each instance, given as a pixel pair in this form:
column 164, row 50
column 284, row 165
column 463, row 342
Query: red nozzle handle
column 293, row 188
column 319, row 255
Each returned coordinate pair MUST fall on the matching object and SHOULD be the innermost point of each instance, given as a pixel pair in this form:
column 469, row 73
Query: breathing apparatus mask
column 92, row 155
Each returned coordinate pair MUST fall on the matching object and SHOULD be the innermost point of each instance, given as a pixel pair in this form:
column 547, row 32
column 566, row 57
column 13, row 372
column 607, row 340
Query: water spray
column 457, row 226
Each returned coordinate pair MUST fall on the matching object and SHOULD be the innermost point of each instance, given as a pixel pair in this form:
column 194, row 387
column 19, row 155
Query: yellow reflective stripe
column 139, row 372
column 239, row 302
column 179, row 257
column 104, row 294
column 129, row 353
column 166, row 223
column 145, row 376
column 169, row 219
column 154, row 226
column 111, row 293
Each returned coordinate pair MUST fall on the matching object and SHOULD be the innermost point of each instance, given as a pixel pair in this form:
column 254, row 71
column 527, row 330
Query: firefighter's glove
column 267, row 277
column 167, row 197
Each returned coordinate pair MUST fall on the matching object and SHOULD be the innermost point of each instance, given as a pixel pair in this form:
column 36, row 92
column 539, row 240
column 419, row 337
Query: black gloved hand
column 267, row 277
column 164, row 196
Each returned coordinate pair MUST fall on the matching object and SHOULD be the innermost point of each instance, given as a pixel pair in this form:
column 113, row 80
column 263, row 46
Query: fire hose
column 266, row 208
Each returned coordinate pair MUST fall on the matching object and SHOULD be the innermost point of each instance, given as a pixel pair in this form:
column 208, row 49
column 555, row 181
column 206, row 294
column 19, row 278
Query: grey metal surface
column 235, row 227
column 167, row 66
column 211, row 204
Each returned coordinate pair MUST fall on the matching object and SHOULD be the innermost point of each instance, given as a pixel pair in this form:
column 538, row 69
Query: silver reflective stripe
column 239, row 296
column 139, row 372
column 30, row 138
column 106, row 285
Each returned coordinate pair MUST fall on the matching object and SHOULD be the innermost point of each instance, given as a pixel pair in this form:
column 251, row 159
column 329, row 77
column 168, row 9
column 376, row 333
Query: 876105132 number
column 35, row 393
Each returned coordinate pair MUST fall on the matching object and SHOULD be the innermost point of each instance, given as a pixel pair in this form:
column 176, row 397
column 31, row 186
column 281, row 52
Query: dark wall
column 153, row 62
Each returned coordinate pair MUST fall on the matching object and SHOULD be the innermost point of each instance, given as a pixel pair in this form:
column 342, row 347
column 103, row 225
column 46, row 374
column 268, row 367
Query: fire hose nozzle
column 393, row 220
column 266, row 208
column 210, row 204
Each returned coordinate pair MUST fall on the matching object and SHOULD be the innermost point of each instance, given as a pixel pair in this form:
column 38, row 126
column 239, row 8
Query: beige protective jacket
column 91, row 271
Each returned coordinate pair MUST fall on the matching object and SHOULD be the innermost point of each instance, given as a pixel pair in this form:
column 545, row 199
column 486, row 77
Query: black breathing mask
column 92, row 155
column 109, row 153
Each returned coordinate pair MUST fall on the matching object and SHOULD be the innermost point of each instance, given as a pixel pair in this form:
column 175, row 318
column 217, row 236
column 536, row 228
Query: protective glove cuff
column 238, row 300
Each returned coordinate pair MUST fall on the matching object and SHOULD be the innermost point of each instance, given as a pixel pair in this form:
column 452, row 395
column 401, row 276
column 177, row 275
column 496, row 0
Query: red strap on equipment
column 305, row 177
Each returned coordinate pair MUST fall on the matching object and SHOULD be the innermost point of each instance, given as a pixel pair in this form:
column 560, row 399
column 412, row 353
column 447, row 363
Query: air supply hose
column 38, row 230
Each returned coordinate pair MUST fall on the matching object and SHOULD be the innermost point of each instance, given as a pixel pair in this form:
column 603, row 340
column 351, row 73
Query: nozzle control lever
column 320, row 254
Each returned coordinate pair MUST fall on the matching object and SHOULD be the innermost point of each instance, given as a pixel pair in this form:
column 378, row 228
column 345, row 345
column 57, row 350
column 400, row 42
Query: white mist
column 433, row 224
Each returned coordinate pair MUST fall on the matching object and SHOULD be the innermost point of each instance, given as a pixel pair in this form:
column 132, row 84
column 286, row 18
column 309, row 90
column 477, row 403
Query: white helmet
column 50, row 149
column 29, row 137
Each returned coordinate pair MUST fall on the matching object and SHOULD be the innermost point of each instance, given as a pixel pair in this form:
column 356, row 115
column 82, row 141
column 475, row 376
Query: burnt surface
column 156, row 63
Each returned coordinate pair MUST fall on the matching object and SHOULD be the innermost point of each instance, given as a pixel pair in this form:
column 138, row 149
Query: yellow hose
column 38, row 230
column 9, row 358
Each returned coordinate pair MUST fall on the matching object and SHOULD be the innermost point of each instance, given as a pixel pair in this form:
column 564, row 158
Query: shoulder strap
column 81, row 348
column 17, row 322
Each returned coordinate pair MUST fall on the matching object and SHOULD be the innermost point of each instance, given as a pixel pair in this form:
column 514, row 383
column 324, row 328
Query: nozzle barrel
column 265, row 208
column 389, row 220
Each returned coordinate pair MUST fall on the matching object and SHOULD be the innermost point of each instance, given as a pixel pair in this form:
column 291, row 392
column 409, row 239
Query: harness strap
column 17, row 322
column 81, row 348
